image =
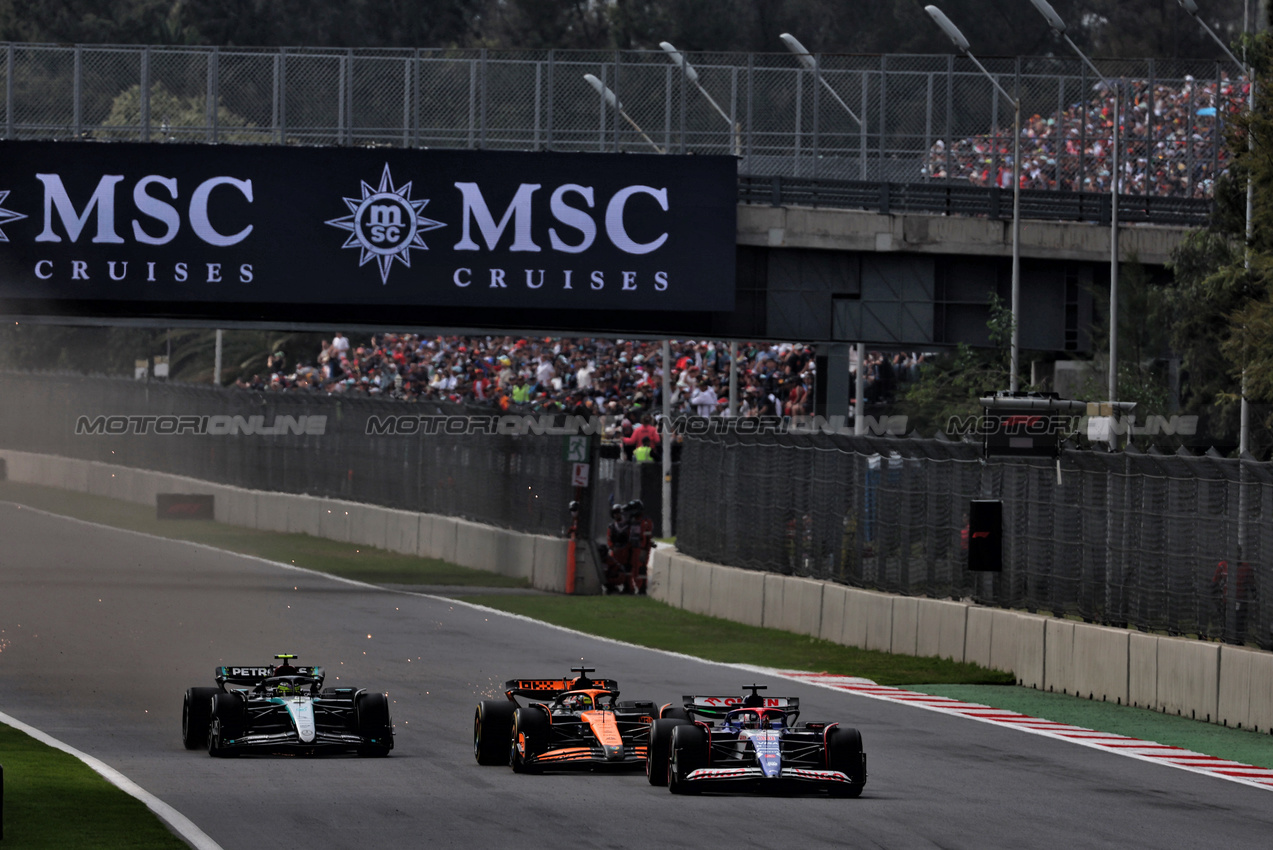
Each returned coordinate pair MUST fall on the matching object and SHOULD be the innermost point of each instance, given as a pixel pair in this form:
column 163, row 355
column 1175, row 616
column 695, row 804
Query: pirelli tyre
column 689, row 753
column 229, row 715
column 196, row 712
column 674, row 712
column 530, row 734
column 844, row 753
column 658, row 749
column 374, row 726
column 492, row 731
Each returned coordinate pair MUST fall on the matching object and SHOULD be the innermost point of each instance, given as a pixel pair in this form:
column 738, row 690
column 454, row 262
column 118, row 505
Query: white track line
column 1146, row 751
column 179, row 823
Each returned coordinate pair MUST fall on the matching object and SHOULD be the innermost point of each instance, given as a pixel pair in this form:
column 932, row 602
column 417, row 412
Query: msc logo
column 385, row 224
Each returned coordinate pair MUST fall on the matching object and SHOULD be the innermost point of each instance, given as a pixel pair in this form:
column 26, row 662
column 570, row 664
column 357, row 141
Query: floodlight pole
column 609, row 96
column 1058, row 26
column 809, row 63
column 1244, row 420
column 692, row 75
column 957, row 37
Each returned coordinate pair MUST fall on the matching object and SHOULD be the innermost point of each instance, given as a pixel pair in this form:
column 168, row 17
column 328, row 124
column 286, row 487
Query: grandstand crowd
column 1170, row 143
column 582, row 376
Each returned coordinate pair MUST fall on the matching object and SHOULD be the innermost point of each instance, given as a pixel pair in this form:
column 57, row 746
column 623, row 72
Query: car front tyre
column 492, row 731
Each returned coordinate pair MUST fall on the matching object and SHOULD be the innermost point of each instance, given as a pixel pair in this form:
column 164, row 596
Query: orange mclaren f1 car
column 576, row 722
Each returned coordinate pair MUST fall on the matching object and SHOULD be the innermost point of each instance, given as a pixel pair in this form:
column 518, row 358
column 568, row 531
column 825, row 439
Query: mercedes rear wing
column 253, row 676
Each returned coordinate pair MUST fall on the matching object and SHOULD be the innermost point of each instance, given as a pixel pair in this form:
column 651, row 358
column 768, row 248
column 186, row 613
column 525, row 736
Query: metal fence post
column 883, row 115
column 349, row 96
column 950, row 117
column 78, row 91
column 280, row 95
column 799, row 122
column 8, row 93
column 145, row 93
column 928, row 130
column 667, row 108
column 482, row 91
column 751, row 83
column 472, row 102
column 407, row 66
column 614, row 116
column 214, row 94
column 817, row 108
column 552, row 61
column 684, row 98
column 539, row 81
column 417, row 74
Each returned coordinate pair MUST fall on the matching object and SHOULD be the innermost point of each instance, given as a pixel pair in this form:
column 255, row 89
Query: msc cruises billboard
column 152, row 230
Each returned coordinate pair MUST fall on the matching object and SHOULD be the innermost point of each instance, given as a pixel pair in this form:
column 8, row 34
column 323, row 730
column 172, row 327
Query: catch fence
column 870, row 118
column 519, row 482
column 1168, row 543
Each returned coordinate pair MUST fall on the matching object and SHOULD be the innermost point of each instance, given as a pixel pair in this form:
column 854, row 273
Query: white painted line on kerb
column 179, row 823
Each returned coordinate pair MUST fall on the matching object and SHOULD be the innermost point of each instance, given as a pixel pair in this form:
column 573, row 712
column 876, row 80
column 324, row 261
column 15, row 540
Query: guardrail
column 945, row 198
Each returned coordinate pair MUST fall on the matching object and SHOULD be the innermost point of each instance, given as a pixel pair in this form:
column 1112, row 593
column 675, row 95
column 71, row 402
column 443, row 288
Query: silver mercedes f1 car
column 284, row 708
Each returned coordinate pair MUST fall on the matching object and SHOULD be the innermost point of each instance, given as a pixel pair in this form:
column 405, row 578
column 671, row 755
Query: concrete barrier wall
column 1101, row 662
column 539, row 559
column 1058, row 656
column 940, row 628
column 1189, row 678
column 1142, row 670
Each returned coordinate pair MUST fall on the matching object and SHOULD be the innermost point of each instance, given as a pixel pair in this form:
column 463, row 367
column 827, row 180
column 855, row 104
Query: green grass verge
column 1236, row 744
column 53, row 800
column 349, row 560
column 645, row 622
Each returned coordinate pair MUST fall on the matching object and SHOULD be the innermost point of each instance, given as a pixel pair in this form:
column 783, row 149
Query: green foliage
column 53, row 800
column 171, row 113
column 950, row 385
column 995, row 27
column 1221, row 305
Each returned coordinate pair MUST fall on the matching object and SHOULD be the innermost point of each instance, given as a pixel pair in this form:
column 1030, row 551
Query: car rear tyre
column 196, row 712
column 375, row 727
column 688, row 754
column 844, row 753
column 492, row 731
column 675, row 712
column 658, row 749
column 530, row 734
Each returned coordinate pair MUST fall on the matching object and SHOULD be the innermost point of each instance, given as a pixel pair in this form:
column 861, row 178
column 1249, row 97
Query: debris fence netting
column 519, row 482
column 1169, row 543
column 1172, row 543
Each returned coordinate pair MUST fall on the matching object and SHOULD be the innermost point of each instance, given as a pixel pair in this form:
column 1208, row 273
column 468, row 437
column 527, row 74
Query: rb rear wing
column 550, row 688
column 253, row 676
column 716, row 707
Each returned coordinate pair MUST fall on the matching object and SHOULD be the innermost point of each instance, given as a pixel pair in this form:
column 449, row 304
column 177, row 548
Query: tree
column 1222, row 308
column 951, row 385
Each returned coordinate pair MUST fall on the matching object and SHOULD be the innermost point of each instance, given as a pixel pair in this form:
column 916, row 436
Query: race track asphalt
column 103, row 630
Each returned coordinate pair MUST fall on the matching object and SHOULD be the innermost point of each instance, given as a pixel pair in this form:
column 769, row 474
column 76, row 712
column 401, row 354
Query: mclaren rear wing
column 545, row 689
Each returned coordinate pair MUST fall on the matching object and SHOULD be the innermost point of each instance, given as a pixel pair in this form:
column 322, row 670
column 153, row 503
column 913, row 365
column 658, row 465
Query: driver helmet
column 578, row 701
column 287, row 688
